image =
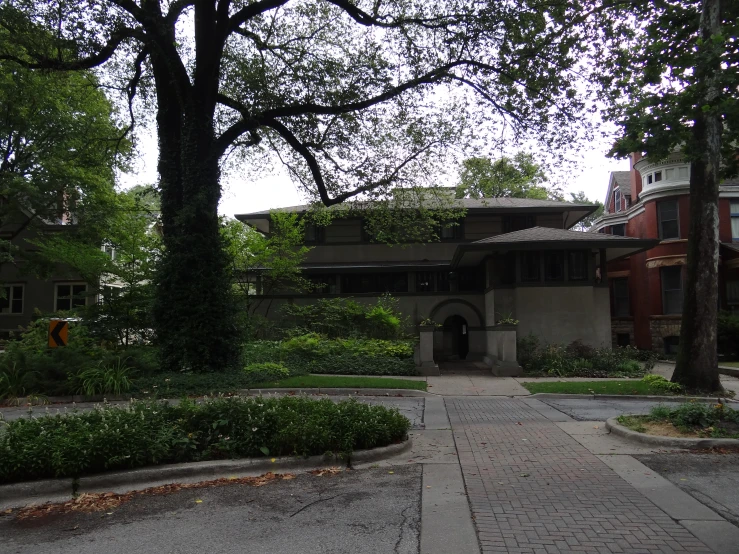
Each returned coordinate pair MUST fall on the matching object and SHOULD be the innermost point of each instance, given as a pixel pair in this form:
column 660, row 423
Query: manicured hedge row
column 151, row 433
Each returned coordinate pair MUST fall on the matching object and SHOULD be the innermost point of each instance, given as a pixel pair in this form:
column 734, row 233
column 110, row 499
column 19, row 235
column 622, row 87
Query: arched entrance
column 456, row 338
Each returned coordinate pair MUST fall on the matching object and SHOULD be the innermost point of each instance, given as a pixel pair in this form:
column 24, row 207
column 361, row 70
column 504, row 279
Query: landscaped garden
column 648, row 385
column 146, row 433
column 580, row 360
column 340, row 337
column 688, row 420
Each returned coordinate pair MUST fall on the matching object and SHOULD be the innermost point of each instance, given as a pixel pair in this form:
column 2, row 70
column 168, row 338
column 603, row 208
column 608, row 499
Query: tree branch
column 252, row 10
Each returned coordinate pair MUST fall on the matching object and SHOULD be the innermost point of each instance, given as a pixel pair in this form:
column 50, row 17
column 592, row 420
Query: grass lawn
column 596, row 387
column 332, row 382
column 729, row 364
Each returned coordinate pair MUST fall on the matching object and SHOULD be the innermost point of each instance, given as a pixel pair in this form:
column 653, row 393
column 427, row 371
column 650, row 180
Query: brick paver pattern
column 534, row 489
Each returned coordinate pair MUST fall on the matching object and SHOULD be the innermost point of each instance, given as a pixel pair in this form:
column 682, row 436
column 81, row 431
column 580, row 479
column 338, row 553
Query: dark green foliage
column 151, row 433
column 312, row 353
column 345, row 317
column 580, row 360
column 728, row 334
column 715, row 420
column 266, row 371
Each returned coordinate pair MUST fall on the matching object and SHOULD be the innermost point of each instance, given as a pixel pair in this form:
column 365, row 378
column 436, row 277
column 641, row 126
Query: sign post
column 58, row 330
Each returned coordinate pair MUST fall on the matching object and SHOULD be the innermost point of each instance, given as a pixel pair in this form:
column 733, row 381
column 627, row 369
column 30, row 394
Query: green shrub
column 266, row 371
column 580, row 360
column 660, row 412
column 149, row 433
column 111, row 379
column 659, row 382
column 312, row 353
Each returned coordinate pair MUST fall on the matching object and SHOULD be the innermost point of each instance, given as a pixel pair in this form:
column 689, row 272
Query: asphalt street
column 362, row 512
column 712, row 479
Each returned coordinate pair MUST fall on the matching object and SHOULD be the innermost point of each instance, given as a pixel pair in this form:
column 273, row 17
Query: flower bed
column 146, row 433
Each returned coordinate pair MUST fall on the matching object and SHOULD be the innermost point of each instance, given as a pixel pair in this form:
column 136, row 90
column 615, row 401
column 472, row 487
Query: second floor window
column 735, row 221
column 313, row 233
column 70, row 296
column 667, row 217
column 12, row 303
column 617, row 200
column 672, row 289
column 451, row 232
column 518, row 223
column 621, row 306
column 619, row 229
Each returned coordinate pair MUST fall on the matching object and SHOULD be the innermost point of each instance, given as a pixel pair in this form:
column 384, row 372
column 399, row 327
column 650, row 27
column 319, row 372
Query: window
column 508, row 269
column 623, row 339
column 668, row 220
column 530, row 266
column 442, row 281
column 617, row 199
column 619, row 229
column 649, row 179
column 313, row 233
column 452, row 231
column 734, row 221
column 424, row 281
column 322, row 284
column 554, row 266
column 672, row 289
column 671, row 344
column 657, row 176
column 518, row 223
column 70, row 296
column 12, row 303
column 621, row 307
column 109, row 249
column 357, row 283
column 577, row 265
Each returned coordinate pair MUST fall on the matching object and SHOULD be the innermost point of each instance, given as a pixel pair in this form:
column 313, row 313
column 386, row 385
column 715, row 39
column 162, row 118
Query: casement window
column 657, row 176
column 554, row 266
column 530, row 267
column 424, row 281
column 617, row 199
column 442, row 281
column 672, row 289
column 357, row 283
column 667, row 216
column 322, row 284
column 70, row 296
column 314, row 233
column 109, row 249
column 619, row 229
column 12, row 302
column 734, row 221
column 621, row 306
column 577, row 268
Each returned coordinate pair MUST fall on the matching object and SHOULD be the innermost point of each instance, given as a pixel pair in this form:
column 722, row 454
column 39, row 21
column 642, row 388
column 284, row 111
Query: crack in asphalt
column 314, row 502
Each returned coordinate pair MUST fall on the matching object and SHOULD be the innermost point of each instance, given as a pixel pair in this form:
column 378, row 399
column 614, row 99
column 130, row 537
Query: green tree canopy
column 517, row 177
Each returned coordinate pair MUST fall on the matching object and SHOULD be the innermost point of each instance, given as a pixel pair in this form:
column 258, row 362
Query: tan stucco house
column 508, row 258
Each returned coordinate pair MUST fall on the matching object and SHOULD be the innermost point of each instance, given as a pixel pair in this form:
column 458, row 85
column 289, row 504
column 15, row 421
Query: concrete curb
column 79, row 399
column 726, row 370
column 617, row 429
column 555, row 396
column 39, row 491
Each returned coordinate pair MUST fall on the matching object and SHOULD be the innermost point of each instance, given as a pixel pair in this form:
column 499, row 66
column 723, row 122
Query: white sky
column 243, row 196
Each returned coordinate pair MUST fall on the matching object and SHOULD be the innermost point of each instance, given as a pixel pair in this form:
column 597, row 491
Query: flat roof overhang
column 470, row 255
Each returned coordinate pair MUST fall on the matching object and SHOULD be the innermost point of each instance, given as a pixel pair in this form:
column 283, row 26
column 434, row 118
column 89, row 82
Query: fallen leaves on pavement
column 107, row 501
column 326, row 471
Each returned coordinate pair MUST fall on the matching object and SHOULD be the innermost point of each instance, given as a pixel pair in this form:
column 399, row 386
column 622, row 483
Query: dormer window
column 617, row 199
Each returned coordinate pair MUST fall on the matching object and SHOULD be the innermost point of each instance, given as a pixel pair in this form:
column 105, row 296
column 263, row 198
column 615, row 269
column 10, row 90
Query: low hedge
column 146, row 433
column 312, row 353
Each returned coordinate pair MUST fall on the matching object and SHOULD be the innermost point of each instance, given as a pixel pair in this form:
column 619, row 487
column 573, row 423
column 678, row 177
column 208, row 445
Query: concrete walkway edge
column 616, row 428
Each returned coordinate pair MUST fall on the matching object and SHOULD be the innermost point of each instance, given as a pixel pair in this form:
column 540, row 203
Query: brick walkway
column 534, row 489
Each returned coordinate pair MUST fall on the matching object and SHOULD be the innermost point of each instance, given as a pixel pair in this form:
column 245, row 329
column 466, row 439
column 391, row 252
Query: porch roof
column 545, row 238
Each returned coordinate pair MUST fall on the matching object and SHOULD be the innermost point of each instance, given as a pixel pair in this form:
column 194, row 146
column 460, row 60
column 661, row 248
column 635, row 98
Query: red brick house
column 652, row 200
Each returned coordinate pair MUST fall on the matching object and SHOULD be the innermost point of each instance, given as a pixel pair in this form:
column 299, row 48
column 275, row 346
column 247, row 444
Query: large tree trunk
column 194, row 312
column 697, row 362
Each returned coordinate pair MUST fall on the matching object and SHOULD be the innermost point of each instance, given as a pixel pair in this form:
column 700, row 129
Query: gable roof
column 623, row 180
